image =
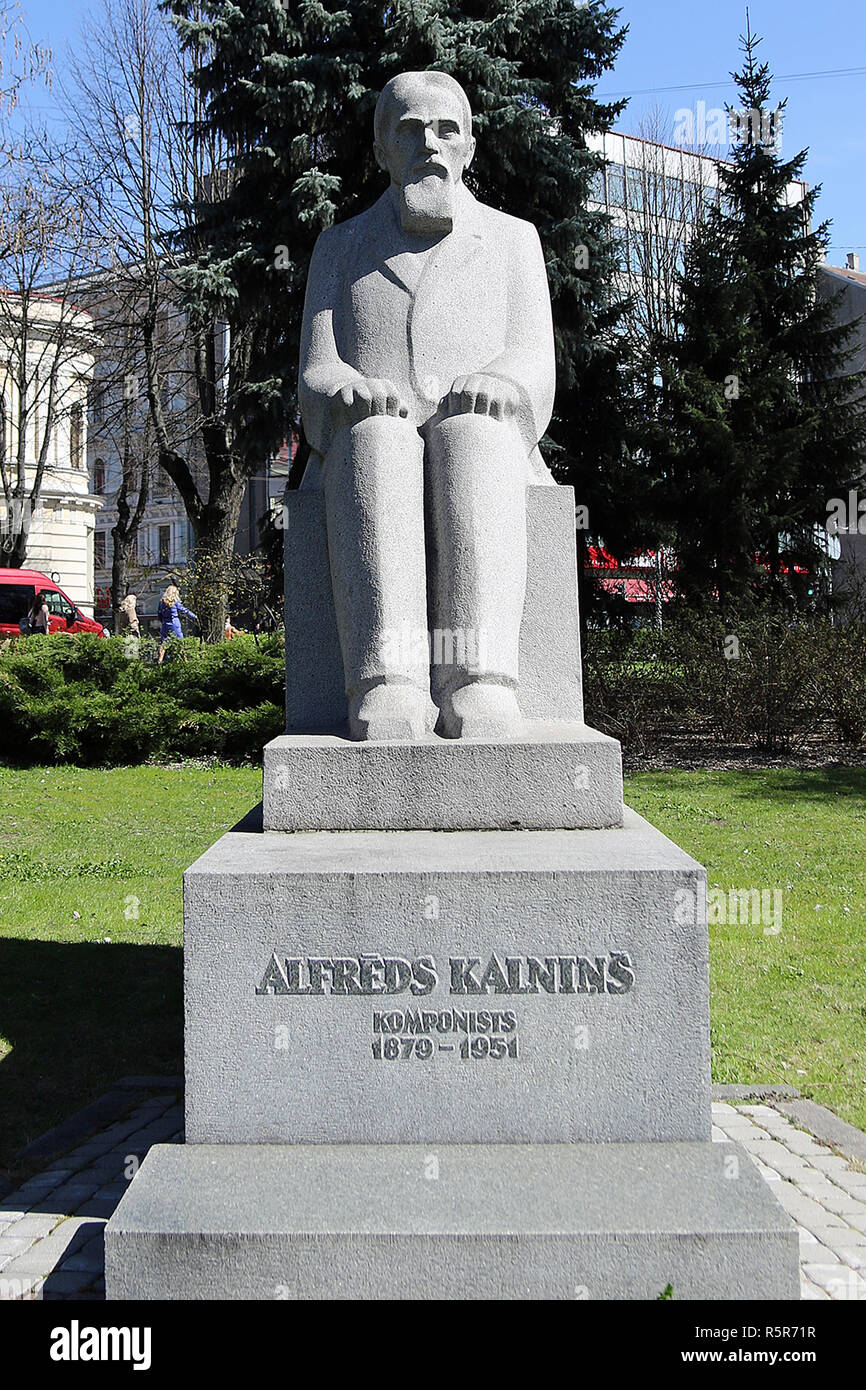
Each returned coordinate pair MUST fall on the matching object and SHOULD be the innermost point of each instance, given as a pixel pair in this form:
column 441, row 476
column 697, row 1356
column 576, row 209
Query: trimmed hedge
column 770, row 683
column 97, row 701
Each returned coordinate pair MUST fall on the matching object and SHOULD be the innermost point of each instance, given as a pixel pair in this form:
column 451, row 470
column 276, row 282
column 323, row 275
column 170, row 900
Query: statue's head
column 423, row 138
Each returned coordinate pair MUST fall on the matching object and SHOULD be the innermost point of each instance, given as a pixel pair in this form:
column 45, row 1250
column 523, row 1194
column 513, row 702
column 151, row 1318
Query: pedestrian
column 36, row 618
column 170, row 608
column 129, row 625
column 129, row 617
column 230, row 631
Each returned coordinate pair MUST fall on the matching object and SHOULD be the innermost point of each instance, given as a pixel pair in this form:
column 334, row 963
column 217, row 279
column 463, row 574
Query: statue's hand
column 481, row 394
column 372, row 396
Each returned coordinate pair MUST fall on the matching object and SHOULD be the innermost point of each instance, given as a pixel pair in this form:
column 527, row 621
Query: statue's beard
column 427, row 204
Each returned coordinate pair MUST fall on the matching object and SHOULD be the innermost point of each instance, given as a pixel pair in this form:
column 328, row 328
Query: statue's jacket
column 474, row 300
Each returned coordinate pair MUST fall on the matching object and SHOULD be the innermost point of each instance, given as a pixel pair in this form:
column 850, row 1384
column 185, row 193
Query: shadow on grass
column 793, row 785
column 762, row 784
column 79, row 1016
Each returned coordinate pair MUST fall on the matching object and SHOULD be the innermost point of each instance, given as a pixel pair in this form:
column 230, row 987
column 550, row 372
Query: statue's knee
column 467, row 441
column 378, row 445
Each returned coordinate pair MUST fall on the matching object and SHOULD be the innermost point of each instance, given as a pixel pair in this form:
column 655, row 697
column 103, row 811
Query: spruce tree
column 760, row 422
column 292, row 87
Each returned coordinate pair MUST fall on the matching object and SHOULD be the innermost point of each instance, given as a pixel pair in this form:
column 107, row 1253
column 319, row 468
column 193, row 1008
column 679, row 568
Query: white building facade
column 57, row 363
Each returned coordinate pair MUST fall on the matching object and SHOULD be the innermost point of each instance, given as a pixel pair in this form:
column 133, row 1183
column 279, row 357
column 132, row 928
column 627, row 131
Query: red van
column 17, row 591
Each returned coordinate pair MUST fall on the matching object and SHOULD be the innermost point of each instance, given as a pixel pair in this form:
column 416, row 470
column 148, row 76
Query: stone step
column 555, row 776
column 575, row 1222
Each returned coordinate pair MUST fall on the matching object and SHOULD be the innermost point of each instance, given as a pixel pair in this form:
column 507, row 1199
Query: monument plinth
column 447, row 1020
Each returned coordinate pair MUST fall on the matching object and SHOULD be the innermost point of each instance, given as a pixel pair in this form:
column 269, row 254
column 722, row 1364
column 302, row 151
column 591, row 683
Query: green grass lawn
column 91, row 925
column 788, row 1005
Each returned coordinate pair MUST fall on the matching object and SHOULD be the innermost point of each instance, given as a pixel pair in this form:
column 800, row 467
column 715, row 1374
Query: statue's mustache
column 430, row 165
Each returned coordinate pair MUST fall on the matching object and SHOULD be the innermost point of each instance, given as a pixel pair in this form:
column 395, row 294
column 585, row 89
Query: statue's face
column 425, row 137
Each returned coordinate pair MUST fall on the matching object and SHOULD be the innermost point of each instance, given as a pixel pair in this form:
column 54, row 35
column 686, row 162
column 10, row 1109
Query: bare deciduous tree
column 21, row 62
column 666, row 196
column 134, row 111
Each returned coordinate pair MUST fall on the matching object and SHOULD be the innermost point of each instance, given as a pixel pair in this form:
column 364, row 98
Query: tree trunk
column 119, row 574
column 124, row 533
column 15, row 556
column 211, row 569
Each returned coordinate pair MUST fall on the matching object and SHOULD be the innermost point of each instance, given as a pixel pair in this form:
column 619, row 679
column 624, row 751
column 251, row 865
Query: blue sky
column 693, row 45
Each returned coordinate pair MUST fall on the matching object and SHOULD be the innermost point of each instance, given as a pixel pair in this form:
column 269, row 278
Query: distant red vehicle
column 17, row 591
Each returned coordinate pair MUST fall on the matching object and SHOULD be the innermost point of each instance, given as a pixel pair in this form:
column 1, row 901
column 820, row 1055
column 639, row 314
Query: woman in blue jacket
column 168, row 612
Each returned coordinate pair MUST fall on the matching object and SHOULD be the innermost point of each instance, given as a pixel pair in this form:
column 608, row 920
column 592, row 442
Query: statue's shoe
column 391, row 712
column 481, row 710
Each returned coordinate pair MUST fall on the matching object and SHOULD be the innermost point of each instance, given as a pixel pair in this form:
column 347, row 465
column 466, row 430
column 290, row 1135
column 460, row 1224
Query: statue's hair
column 436, row 79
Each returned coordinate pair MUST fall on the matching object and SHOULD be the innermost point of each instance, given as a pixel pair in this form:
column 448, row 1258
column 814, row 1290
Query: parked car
column 17, row 591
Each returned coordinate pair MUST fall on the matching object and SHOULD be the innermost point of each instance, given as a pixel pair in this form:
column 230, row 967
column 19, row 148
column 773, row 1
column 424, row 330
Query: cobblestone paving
column 51, row 1244
column 820, row 1190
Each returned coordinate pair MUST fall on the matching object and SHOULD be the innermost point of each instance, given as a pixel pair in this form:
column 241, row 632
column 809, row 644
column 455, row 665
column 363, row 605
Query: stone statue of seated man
column 427, row 379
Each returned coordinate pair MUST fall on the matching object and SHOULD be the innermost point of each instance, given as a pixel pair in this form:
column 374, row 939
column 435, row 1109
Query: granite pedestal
column 497, row 987
column 447, row 1019
column 348, row 1221
column 429, row 1065
column 555, row 775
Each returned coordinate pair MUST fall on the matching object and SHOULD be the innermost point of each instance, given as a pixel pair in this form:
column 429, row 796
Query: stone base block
column 498, row 986
column 555, row 776
column 620, row 1221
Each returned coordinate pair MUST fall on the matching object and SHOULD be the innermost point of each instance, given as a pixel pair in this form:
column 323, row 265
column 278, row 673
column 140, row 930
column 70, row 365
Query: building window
column 76, row 435
column 674, row 192
column 596, row 186
column 99, row 404
column 615, row 186
column 164, row 544
column 635, row 179
column 99, row 476
column 99, row 549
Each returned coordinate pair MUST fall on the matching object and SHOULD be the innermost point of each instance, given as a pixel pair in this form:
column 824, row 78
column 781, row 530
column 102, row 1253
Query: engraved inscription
column 420, row 1034
column 369, row 975
column 467, row 1033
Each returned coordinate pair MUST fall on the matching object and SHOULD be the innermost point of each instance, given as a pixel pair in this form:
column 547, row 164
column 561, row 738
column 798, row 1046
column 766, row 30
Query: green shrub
column 770, row 682
column 98, row 701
